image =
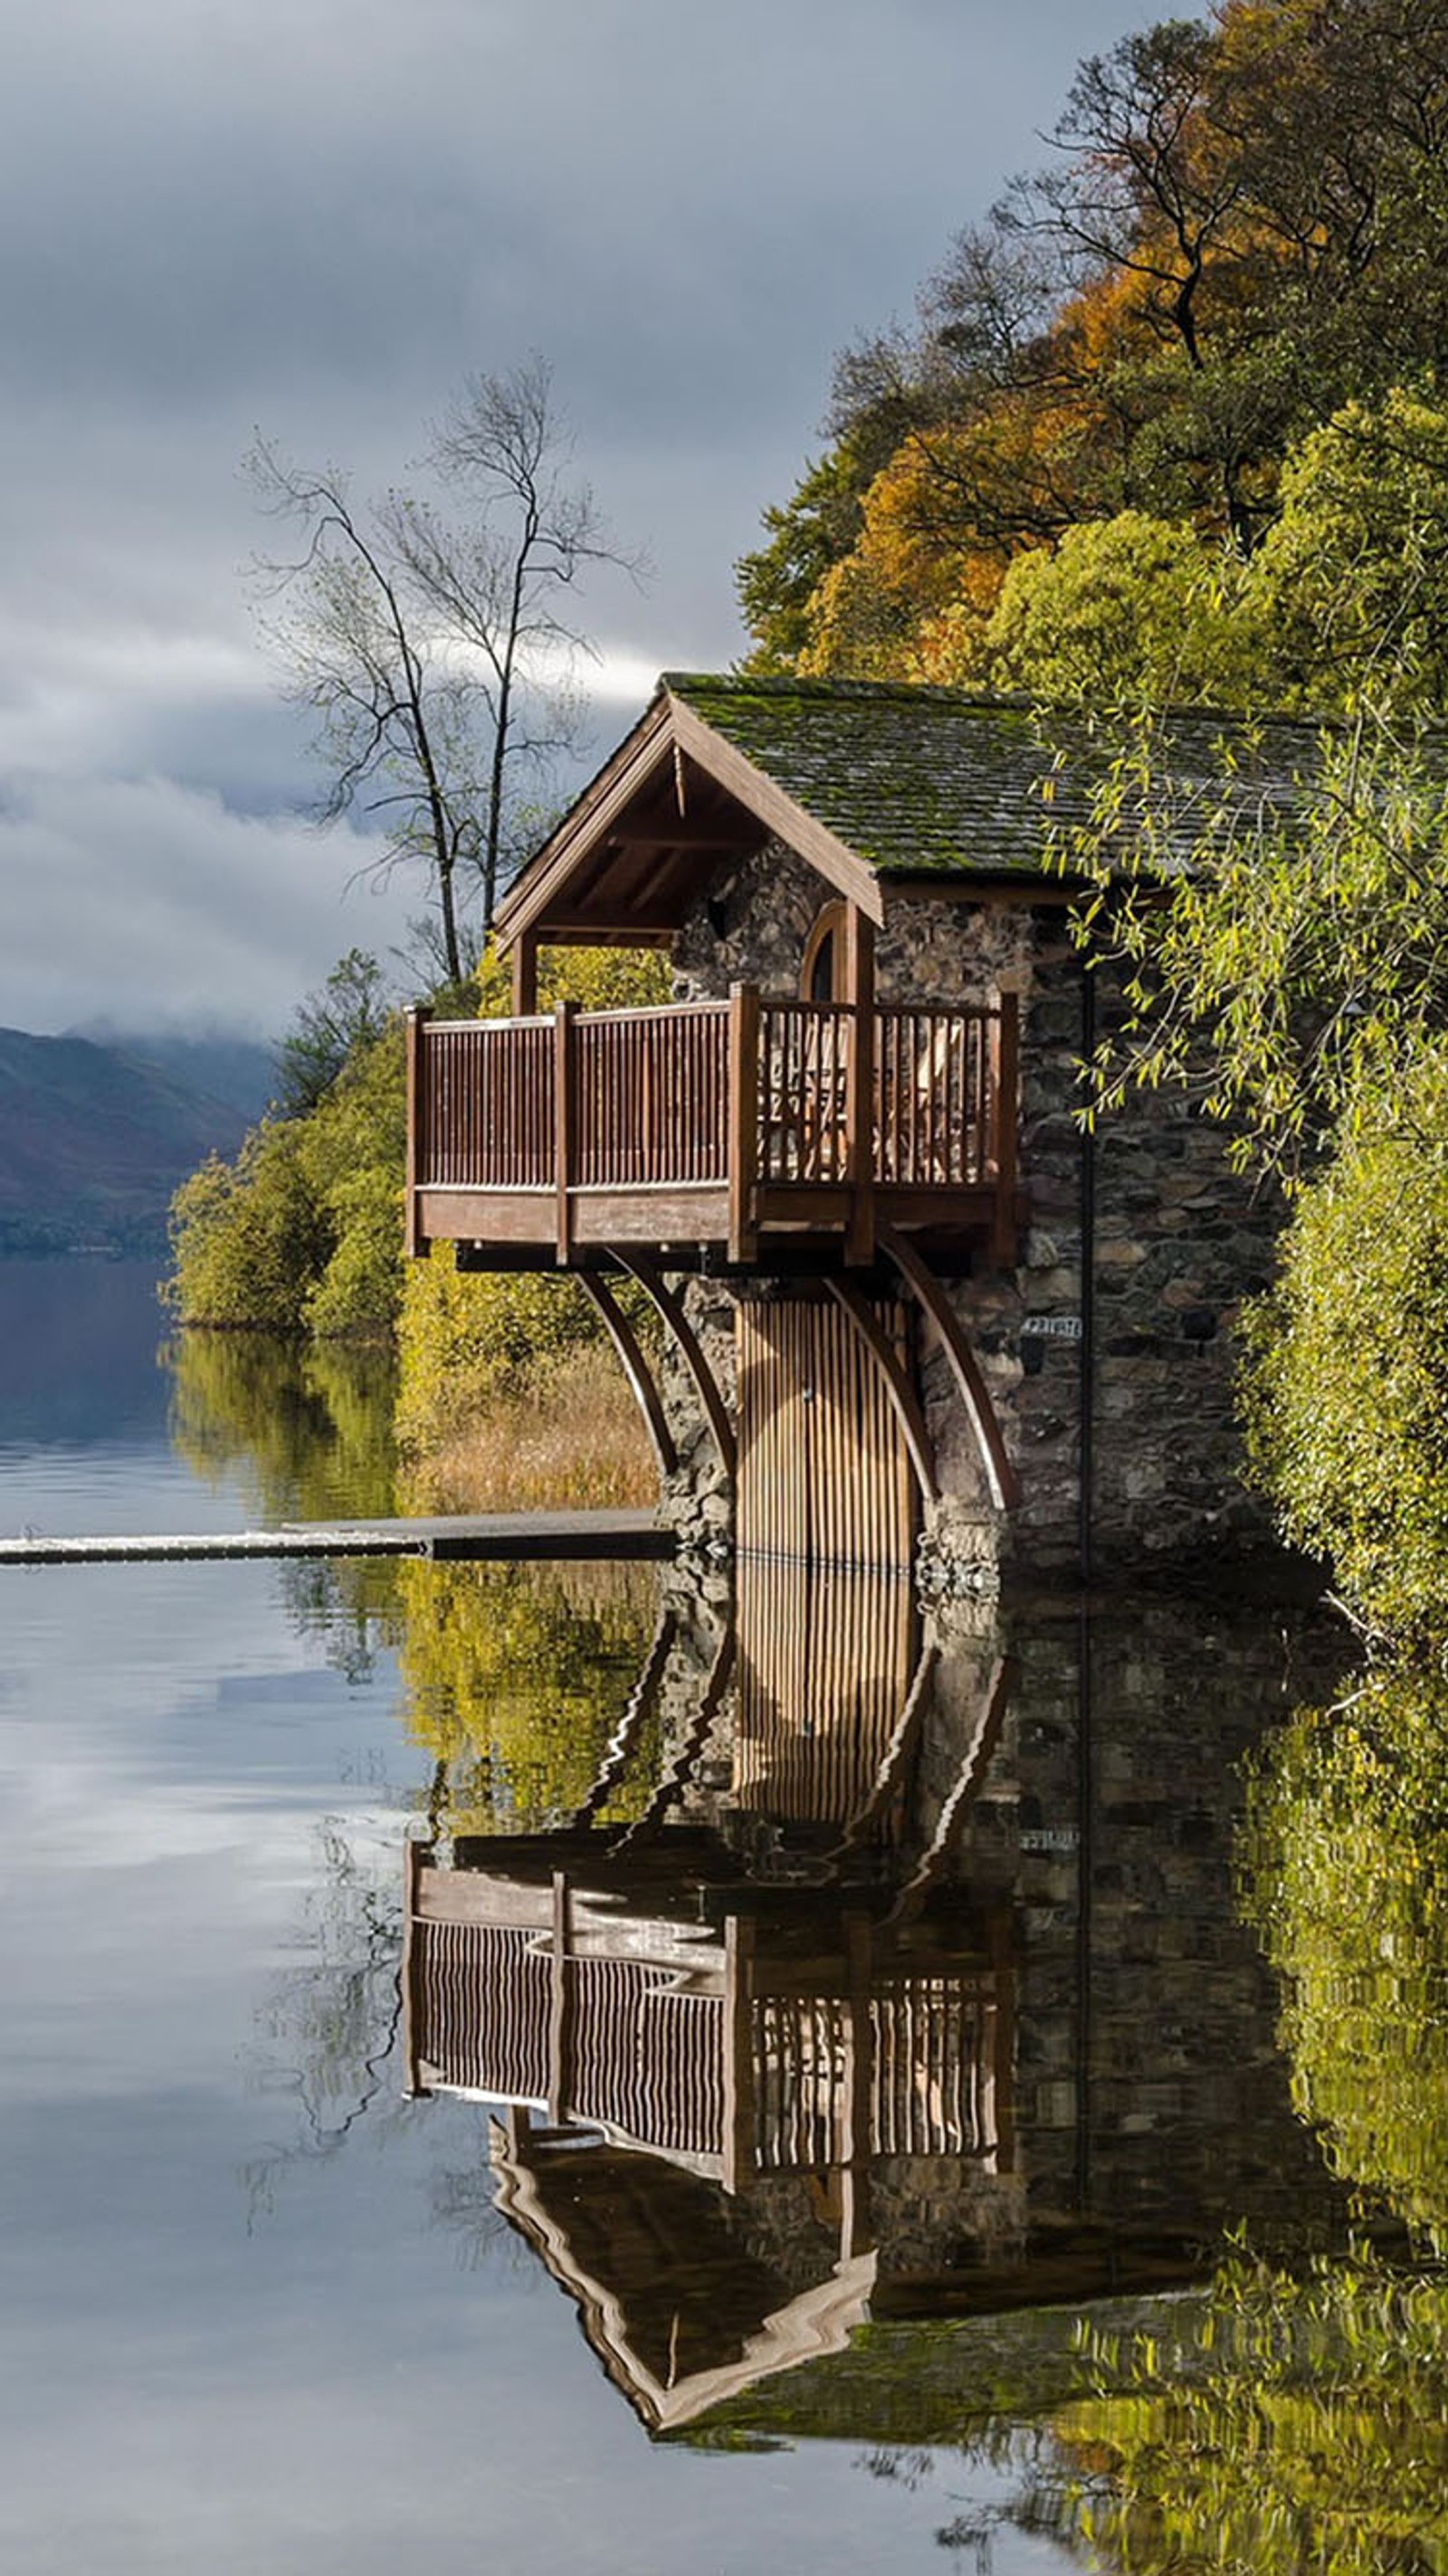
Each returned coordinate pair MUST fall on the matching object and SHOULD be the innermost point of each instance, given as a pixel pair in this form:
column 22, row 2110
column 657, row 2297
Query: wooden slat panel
column 824, row 1473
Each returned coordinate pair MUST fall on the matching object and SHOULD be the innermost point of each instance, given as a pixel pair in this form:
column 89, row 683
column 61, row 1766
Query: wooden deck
column 735, row 1126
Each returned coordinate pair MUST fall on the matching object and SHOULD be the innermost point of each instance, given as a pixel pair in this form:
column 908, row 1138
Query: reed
column 569, row 1436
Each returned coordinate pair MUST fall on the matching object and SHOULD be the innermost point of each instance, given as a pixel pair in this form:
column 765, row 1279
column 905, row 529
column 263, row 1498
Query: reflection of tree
column 516, row 1676
column 306, row 1431
column 329, row 2025
column 1346, row 1855
column 1286, row 2425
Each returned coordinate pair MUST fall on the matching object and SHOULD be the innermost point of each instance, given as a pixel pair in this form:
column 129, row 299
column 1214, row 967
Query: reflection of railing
column 743, row 1098
column 728, row 2054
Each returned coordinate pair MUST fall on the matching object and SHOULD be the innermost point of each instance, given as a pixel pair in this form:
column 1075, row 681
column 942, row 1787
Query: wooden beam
column 414, row 1241
column 901, row 1393
column 412, row 2086
column 724, row 840
column 638, row 759
column 859, row 962
column 1005, row 1114
column 559, row 2017
column 525, row 976
column 635, row 1367
column 671, row 1308
column 743, row 1120
column 640, row 1701
column 564, row 1120
column 1001, row 1478
column 738, row 2050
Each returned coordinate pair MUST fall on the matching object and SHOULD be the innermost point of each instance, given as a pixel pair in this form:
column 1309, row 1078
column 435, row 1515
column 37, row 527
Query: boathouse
column 906, row 1296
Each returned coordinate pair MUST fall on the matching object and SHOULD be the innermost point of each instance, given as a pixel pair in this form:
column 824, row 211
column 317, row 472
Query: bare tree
column 427, row 636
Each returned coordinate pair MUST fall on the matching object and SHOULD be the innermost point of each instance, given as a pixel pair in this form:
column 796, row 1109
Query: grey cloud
column 318, row 220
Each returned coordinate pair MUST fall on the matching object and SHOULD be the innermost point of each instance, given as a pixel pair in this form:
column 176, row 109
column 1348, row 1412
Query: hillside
column 94, row 1139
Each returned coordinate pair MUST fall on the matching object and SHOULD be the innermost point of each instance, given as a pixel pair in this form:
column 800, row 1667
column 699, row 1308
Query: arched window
column 822, row 974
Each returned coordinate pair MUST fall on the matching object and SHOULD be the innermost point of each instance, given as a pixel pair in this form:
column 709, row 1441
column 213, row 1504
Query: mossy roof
column 924, row 781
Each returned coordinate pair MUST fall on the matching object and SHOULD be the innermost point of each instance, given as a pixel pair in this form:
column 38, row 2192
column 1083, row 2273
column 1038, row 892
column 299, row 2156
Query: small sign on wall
column 1051, row 1328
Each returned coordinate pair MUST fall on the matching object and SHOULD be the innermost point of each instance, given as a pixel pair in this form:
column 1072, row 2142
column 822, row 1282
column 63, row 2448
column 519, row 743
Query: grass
column 569, row 1438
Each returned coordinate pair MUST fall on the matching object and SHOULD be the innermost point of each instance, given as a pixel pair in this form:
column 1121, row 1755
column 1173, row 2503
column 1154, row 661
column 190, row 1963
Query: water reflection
column 882, row 1968
column 1346, row 1878
column 878, row 2021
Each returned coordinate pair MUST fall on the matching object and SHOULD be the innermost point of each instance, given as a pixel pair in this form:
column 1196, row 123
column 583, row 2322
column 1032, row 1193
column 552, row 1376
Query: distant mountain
column 239, row 1071
column 94, row 1138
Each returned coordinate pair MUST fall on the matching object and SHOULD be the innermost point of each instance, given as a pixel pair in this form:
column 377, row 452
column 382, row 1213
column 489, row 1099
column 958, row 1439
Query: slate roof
column 922, row 781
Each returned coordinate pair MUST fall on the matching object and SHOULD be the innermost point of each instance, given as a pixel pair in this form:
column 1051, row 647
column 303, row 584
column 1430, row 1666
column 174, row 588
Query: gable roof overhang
column 675, row 805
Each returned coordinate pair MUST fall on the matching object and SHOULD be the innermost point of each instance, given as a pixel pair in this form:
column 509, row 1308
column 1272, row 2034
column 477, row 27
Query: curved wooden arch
column 671, row 1308
column 1001, row 1477
column 897, row 1385
column 828, row 924
column 635, row 1367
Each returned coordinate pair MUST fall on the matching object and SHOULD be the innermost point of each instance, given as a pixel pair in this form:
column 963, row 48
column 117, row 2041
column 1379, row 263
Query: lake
column 609, row 2069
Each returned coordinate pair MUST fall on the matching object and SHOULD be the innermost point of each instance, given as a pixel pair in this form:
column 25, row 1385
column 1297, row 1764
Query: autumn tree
column 430, row 635
column 1243, row 226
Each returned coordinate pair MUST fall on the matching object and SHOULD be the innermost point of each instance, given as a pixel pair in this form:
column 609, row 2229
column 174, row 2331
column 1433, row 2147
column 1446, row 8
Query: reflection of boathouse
column 901, row 1982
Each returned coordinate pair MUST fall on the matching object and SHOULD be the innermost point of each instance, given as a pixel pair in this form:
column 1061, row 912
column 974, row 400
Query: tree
column 348, row 1012
column 431, row 648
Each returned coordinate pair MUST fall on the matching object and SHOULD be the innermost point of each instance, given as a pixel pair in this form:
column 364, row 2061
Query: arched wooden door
column 824, row 1472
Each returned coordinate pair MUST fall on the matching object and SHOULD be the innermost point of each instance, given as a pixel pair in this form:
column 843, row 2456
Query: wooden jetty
column 504, row 1537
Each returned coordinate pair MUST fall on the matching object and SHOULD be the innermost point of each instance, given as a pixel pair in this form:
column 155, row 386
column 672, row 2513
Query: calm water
column 792, row 2262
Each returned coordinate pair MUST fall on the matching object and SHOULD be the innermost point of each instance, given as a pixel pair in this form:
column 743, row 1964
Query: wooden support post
column 1005, row 1123
column 413, row 2089
column 414, row 1242
column 743, row 1120
column 558, row 2001
column 860, row 1085
column 525, row 975
column 565, row 1107
column 738, row 2050
column 854, row 2128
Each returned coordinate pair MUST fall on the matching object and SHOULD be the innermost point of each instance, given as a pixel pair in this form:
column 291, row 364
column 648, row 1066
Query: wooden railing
column 752, row 1094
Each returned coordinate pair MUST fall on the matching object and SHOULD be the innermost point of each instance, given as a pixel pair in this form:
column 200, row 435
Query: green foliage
column 813, row 530
column 1345, row 1855
column 302, row 1233
column 308, row 1431
column 1348, row 1360
column 1283, row 951
column 1126, row 610
column 1349, row 590
column 247, row 1237
column 465, row 1337
column 1243, row 227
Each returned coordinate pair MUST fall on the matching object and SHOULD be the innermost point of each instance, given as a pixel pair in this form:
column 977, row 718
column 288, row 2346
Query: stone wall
column 1178, row 1240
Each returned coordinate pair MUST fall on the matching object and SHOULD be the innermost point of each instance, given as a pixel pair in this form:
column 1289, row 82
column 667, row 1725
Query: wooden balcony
column 736, row 1127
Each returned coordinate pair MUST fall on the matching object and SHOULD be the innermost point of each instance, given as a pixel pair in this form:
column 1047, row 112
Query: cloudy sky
column 317, row 218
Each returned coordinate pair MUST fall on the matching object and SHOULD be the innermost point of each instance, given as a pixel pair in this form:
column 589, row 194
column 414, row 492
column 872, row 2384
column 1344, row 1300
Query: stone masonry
column 1177, row 1240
